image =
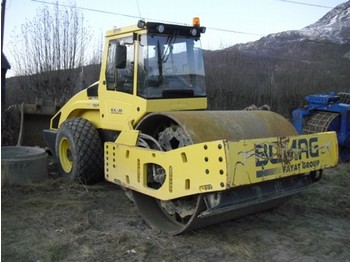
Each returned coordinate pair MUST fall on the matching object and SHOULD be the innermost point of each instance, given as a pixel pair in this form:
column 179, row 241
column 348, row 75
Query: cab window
column 118, row 77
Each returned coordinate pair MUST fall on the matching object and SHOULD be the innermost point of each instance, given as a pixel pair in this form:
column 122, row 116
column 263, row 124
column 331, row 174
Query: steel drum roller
column 176, row 129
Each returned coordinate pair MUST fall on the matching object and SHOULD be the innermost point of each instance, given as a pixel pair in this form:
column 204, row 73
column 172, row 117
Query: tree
column 50, row 49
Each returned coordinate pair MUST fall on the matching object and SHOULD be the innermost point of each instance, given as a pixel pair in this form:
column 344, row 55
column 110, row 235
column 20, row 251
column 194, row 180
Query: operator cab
column 162, row 61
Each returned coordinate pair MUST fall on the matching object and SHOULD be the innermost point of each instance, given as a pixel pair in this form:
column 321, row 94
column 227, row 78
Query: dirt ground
column 57, row 221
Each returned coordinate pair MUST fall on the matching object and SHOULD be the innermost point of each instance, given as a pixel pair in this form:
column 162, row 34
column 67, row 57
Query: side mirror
column 120, row 57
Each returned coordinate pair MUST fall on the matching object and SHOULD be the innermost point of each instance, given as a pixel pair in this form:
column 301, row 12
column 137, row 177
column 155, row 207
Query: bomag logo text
column 302, row 150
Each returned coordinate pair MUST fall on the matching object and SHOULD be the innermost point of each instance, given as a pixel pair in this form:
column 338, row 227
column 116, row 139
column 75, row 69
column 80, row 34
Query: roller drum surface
column 177, row 129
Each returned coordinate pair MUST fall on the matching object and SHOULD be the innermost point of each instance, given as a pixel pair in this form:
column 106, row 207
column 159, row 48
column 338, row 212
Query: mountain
column 333, row 27
column 280, row 69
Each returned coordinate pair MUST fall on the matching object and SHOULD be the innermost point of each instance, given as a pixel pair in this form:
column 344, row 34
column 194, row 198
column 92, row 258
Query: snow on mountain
column 334, row 26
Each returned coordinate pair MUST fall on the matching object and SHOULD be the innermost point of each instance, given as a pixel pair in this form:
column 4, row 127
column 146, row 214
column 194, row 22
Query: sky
column 228, row 22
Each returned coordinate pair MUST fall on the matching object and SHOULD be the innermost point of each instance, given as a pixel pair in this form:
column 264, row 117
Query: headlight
column 141, row 24
column 193, row 31
column 160, row 28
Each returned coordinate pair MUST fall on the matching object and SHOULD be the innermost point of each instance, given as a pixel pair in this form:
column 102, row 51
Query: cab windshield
column 170, row 67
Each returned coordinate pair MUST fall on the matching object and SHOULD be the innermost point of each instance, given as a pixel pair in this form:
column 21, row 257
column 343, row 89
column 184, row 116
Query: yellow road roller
column 144, row 126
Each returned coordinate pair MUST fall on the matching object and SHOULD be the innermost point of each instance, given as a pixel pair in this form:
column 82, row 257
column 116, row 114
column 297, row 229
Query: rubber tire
column 79, row 151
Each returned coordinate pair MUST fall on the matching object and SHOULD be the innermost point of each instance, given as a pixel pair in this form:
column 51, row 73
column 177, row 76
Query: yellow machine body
column 116, row 110
column 144, row 125
column 219, row 165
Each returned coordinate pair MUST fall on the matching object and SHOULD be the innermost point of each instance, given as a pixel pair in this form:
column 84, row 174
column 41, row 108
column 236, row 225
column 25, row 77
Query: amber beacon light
column 196, row 21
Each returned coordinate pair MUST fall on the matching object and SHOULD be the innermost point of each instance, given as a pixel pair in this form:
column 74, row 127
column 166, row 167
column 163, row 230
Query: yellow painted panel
column 257, row 160
column 219, row 165
column 189, row 170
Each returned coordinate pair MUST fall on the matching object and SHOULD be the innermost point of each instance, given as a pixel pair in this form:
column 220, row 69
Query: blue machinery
column 322, row 113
